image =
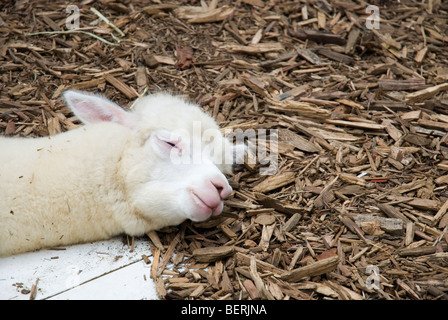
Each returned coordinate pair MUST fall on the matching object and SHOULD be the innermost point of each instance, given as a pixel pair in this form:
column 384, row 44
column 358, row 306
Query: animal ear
column 92, row 109
column 239, row 152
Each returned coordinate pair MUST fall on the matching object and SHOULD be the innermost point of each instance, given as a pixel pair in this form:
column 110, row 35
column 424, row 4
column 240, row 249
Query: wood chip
column 251, row 289
column 407, row 84
column 392, row 212
column 212, row 15
column 361, row 116
column 426, row 93
column 336, row 56
column 129, row 92
column 259, row 284
column 263, row 47
column 211, row 254
column 318, row 36
column 442, row 211
column 314, row 269
column 391, row 225
column 168, row 253
column 275, row 182
column 387, row 39
column 297, row 141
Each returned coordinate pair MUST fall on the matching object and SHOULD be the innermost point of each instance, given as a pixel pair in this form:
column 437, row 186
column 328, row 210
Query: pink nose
column 209, row 198
column 223, row 188
column 214, row 193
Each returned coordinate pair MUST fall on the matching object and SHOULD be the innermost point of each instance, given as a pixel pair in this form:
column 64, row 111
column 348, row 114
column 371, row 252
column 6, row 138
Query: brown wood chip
column 361, row 169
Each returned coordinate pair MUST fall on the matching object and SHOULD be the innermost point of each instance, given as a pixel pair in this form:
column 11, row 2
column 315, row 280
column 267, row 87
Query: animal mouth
column 207, row 208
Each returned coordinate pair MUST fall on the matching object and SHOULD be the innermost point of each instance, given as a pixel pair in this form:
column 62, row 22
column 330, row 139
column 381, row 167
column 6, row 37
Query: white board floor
column 104, row 270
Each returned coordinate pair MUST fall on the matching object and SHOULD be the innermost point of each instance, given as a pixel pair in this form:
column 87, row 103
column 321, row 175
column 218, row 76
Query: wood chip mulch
column 357, row 208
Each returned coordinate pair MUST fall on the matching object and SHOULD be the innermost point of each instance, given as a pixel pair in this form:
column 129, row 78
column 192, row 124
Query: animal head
column 176, row 158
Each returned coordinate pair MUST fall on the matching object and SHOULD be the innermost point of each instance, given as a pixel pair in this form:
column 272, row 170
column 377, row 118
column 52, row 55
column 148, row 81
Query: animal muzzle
column 208, row 198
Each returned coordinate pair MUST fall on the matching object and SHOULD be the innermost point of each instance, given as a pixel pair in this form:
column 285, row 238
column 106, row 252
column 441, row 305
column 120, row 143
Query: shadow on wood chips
column 357, row 206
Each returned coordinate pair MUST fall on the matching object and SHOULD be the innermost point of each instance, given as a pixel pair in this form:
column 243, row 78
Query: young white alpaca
column 123, row 172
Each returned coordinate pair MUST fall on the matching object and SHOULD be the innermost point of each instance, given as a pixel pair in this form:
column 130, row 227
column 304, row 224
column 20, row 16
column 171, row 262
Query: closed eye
column 175, row 145
column 171, row 144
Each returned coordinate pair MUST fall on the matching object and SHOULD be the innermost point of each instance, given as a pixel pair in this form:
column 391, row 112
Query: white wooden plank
column 131, row 282
column 60, row 270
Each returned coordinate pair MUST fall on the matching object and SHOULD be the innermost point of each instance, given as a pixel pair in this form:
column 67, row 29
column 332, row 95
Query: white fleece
column 105, row 178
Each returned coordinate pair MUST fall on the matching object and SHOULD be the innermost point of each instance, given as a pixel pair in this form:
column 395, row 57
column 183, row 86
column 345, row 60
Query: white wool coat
column 93, row 182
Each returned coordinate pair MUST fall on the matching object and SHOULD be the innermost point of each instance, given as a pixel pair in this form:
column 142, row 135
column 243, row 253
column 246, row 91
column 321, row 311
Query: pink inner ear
column 98, row 115
column 87, row 112
column 107, row 117
column 118, row 115
column 92, row 109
